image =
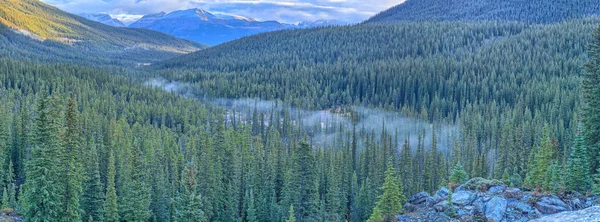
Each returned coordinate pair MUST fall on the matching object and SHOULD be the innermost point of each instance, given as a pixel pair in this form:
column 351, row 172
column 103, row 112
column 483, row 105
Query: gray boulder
column 463, row 197
column 441, row 195
column 551, row 205
column 513, row 193
column 419, row 198
column 495, row 209
column 496, row 190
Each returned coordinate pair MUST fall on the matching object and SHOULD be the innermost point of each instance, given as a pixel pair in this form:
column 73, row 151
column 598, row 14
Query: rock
column 591, row 214
column 419, row 198
column 551, row 205
column 441, row 195
column 463, row 198
column 409, row 207
column 496, row 190
column 576, row 204
column 495, row 208
column 441, row 207
column 514, row 193
column 524, row 208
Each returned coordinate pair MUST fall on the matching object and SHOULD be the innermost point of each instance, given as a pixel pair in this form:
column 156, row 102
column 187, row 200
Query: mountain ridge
column 531, row 11
column 29, row 27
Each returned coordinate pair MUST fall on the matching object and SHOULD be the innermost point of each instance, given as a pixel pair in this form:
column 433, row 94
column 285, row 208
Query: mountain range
column 35, row 30
column 206, row 27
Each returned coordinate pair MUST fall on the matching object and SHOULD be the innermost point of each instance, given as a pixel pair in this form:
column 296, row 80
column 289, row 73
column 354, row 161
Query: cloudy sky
column 290, row 11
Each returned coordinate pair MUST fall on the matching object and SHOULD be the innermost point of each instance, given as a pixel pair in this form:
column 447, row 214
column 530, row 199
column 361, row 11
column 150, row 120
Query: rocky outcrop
column 591, row 214
column 490, row 200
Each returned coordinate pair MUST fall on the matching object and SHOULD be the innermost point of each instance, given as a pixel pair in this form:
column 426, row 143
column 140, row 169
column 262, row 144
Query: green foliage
column 189, row 202
column 292, row 217
column 515, row 179
column 391, row 201
column 543, row 155
column 536, row 11
column 506, row 177
column 578, row 175
column 111, row 205
column 482, row 184
column 458, row 175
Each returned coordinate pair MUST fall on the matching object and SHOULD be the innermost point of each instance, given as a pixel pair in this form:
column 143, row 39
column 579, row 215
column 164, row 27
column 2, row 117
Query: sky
column 288, row 11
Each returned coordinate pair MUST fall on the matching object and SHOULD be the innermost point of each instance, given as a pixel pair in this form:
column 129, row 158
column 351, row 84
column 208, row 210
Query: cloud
column 290, row 11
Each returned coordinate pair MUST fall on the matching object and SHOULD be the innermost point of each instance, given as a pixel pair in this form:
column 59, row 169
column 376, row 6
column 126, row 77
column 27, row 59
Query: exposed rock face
column 591, row 214
column 487, row 200
column 551, row 205
column 495, row 209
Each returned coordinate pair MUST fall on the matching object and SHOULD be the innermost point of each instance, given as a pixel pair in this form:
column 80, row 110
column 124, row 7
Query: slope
column 34, row 30
column 535, row 11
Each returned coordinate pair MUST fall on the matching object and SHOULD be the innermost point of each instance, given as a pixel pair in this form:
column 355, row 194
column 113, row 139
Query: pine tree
column 578, row 176
column 41, row 197
column 391, row 202
column 590, row 89
column 189, row 201
column 516, row 180
column 111, row 205
column 506, row 177
column 92, row 199
column 4, row 199
column 251, row 210
column 553, row 180
column 72, row 168
column 537, row 172
column 135, row 200
column 458, row 175
column 292, row 217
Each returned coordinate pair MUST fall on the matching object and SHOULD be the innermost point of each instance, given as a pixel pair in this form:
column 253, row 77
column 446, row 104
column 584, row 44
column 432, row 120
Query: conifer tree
column 92, row 199
column 578, row 169
column 543, row 155
column 458, row 174
column 590, row 89
column 506, row 177
column 391, row 201
column 135, row 200
column 251, row 210
column 189, row 201
column 111, row 205
column 292, row 216
column 72, row 167
column 4, row 199
column 516, row 180
column 41, row 197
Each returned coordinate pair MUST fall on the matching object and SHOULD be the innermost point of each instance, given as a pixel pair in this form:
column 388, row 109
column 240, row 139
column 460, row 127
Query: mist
column 325, row 127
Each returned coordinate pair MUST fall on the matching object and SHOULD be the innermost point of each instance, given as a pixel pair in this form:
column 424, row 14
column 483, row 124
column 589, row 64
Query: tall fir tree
column 111, row 205
column 391, row 201
column 578, row 169
column 189, row 200
column 42, row 199
column 92, row 199
column 72, row 174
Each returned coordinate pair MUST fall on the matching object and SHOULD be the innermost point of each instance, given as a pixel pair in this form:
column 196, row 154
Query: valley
column 432, row 110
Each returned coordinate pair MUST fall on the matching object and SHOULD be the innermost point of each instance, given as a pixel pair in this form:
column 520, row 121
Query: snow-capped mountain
column 103, row 18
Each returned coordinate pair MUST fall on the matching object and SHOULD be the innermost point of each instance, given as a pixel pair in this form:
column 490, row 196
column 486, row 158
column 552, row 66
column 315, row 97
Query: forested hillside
column 33, row 30
column 531, row 11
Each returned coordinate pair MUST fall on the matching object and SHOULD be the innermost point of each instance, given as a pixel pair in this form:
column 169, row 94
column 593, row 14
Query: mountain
column 34, row 30
column 103, row 18
column 319, row 23
column 202, row 26
column 534, row 11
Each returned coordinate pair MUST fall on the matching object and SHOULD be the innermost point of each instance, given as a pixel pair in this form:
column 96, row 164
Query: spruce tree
column 292, row 216
column 251, row 209
column 458, row 175
column 578, row 169
column 543, row 155
column 506, row 177
column 135, row 201
column 41, row 199
column 92, row 199
column 391, row 201
column 590, row 89
column 515, row 179
column 72, row 168
column 189, row 201
column 111, row 206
